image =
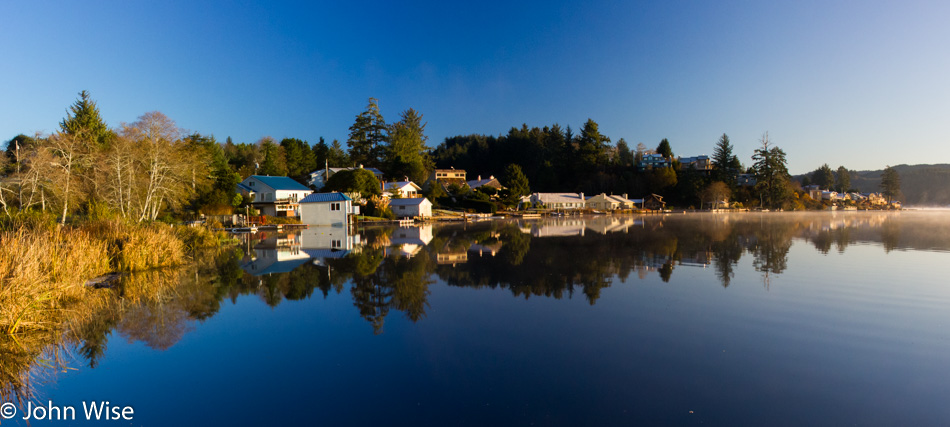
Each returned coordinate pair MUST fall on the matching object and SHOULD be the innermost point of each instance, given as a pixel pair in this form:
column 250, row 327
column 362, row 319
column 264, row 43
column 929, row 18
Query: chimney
column 582, row 196
column 479, row 177
column 361, row 166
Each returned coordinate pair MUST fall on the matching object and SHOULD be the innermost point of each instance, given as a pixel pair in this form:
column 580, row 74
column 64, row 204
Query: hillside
column 922, row 185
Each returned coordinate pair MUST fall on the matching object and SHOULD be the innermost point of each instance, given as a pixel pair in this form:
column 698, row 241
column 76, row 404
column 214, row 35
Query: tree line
column 149, row 168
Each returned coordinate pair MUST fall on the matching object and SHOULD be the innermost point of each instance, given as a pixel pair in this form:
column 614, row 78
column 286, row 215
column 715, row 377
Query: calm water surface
column 753, row 319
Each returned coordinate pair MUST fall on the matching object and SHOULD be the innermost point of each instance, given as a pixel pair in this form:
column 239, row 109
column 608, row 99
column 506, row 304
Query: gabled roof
column 407, row 202
column 280, row 183
column 401, row 184
column 559, row 197
column 325, row 197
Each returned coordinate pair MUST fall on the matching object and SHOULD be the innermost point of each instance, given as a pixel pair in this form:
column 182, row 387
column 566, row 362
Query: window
column 402, row 208
column 336, row 244
column 334, row 206
column 250, row 183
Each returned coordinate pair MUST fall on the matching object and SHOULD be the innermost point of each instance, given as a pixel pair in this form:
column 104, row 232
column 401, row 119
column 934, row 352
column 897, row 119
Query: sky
column 863, row 84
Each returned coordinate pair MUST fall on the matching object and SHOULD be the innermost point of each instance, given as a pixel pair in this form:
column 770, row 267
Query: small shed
column 411, row 208
column 326, row 209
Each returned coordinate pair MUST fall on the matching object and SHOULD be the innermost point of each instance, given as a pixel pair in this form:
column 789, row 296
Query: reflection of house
column 410, row 240
column 403, row 189
column 270, row 261
column 486, row 248
column 411, row 208
column 609, row 203
column 326, row 209
column 456, row 257
column 564, row 201
column 558, row 229
column 319, row 178
column 490, row 182
column 333, row 238
column 274, row 195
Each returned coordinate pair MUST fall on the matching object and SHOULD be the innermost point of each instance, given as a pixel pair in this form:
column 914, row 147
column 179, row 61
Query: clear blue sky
column 862, row 84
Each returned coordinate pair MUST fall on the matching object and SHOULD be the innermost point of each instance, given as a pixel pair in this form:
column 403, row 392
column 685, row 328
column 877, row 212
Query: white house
column 327, row 209
column 274, row 195
column 411, row 208
column 491, row 182
column 563, row 201
column 404, row 189
column 609, row 202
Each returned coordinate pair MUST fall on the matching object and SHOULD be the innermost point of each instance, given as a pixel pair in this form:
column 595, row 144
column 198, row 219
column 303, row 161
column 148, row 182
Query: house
column 699, row 163
column 654, row 202
column 319, row 178
column 327, row 209
column 609, row 203
column 653, row 161
column 446, row 177
column 411, row 208
column 401, row 189
column 490, row 182
column 746, row 180
column 274, row 195
column 562, row 201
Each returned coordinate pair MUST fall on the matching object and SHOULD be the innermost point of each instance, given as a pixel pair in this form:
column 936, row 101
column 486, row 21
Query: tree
column 715, row 193
column 771, row 173
column 354, row 181
column 823, row 177
column 665, row 149
column 724, row 162
column 407, row 154
column 321, row 152
column 516, row 183
column 624, row 154
column 843, row 179
column 83, row 121
column 299, row 159
column 368, row 136
column 890, row 184
column 336, row 156
column 274, row 162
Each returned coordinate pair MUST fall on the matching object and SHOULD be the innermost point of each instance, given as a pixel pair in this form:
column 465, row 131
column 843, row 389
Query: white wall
column 320, row 213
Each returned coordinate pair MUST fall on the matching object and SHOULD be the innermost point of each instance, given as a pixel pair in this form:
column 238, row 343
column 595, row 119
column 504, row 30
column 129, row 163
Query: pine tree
column 84, row 122
column 664, row 149
column 368, row 136
column 890, row 184
column 724, row 162
column 843, row 179
column 407, row 154
column 771, row 173
column 516, row 183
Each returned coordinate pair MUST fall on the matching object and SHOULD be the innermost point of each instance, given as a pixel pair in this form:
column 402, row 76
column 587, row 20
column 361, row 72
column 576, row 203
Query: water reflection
column 386, row 270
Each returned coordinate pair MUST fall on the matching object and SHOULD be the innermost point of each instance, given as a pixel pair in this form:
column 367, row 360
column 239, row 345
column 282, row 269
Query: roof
column 407, row 202
column 280, row 183
column 325, row 197
column 559, row 197
column 401, row 184
column 480, row 182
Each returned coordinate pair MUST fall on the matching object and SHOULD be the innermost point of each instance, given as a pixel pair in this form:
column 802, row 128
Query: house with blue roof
column 327, row 209
column 277, row 196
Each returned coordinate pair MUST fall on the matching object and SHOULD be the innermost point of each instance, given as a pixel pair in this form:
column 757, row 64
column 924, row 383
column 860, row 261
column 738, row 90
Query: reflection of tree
column 397, row 282
column 773, row 240
column 890, row 234
column 726, row 254
column 516, row 244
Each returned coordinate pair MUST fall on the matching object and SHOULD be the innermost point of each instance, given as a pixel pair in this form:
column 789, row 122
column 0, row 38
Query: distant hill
column 922, row 185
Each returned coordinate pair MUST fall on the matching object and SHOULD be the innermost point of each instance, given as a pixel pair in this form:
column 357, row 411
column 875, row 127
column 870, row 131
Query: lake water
column 741, row 319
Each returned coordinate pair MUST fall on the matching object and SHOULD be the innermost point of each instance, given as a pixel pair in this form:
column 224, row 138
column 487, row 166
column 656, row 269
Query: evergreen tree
column 83, row 121
column 516, row 183
column 337, row 157
column 890, row 184
column 274, row 163
column 368, row 136
column 723, row 160
column 321, row 154
column 843, row 179
column 771, row 173
column 299, row 157
column 823, row 177
column 664, row 149
column 624, row 157
column 407, row 154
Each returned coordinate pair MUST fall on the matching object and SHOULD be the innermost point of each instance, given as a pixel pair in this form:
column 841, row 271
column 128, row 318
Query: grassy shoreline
column 43, row 269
